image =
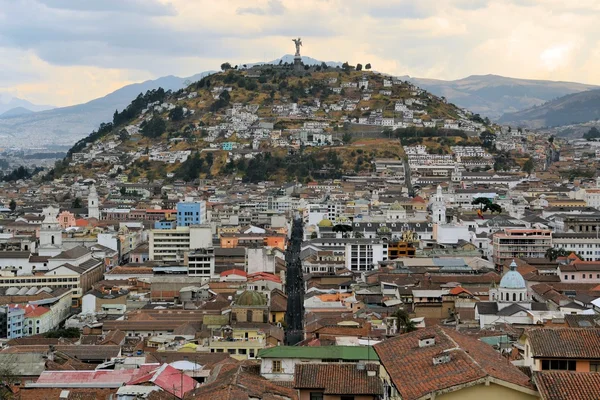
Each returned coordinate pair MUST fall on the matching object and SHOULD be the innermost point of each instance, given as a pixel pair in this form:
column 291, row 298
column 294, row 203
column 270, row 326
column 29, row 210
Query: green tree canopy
column 154, row 127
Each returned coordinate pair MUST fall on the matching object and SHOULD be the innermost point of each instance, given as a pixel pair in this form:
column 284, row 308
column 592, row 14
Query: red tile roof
column 168, row 379
column 236, row 382
column 564, row 342
column 31, row 310
column 101, row 378
column 471, row 361
column 233, row 272
column 263, row 276
column 568, row 385
column 336, row 378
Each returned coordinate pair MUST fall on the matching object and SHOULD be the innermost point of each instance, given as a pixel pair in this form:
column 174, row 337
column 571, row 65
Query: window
column 566, row 277
column 565, row 365
column 277, row 366
column 316, row 396
column 572, row 277
column 595, row 367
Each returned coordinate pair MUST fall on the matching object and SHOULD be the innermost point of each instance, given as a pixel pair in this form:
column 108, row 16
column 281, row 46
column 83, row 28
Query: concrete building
column 171, row 245
column 520, row 243
column 364, row 254
column 201, row 263
column 11, row 322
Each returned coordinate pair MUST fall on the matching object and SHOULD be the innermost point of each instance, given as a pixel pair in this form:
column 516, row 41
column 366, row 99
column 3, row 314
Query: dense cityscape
column 302, row 230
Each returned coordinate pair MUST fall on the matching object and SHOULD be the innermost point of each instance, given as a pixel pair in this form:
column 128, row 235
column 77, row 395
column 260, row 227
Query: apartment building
column 364, row 254
column 171, row 245
column 201, row 262
column 520, row 243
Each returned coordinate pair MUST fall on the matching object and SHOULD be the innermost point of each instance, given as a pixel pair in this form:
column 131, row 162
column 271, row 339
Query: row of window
column 583, row 276
column 249, row 352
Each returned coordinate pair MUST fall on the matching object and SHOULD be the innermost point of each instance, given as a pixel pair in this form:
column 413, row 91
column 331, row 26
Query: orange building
column 232, row 240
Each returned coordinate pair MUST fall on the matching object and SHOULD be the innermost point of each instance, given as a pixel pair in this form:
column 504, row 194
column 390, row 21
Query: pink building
column 580, row 272
column 66, row 219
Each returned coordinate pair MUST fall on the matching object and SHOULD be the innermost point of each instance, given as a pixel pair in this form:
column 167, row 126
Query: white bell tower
column 438, row 207
column 50, row 233
column 93, row 206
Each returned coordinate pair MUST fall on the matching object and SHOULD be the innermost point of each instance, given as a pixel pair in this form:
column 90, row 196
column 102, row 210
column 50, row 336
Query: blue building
column 12, row 321
column 227, row 146
column 164, row 224
column 191, row 213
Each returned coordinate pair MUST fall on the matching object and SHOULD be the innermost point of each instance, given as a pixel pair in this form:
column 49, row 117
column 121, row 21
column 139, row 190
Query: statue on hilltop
column 298, row 43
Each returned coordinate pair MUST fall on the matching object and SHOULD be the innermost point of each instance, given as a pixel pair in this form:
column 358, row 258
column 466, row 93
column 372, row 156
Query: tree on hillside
column 487, row 139
column 528, row 166
column 225, row 66
column 368, row 66
column 12, row 205
column 347, row 138
column 176, row 114
column 551, row 139
column 359, row 67
column 77, row 203
column 154, row 127
column 222, row 102
column 592, row 134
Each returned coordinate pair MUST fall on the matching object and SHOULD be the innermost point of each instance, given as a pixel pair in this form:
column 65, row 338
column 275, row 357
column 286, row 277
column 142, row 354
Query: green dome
column 251, row 298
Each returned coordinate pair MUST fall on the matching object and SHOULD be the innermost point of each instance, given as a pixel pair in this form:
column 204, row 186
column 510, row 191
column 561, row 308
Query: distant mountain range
column 567, row 110
column 493, row 96
column 8, row 103
column 489, row 95
column 66, row 125
column 13, row 112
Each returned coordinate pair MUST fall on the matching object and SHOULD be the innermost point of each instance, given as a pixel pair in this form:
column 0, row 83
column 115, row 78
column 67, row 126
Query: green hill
column 264, row 123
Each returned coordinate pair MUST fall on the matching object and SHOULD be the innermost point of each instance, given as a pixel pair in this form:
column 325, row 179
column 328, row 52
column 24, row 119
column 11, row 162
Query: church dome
column 325, row 223
column 512, row 279
column 251, row 298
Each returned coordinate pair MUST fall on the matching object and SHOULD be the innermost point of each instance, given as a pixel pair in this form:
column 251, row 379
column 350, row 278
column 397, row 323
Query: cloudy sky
column 65, row 52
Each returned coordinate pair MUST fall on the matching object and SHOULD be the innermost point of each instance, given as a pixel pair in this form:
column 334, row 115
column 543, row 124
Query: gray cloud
column 147, row 7
column 274, row 7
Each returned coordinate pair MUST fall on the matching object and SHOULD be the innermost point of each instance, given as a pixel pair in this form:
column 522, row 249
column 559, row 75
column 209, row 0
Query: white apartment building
column 171, row 245
column 586, row 245
column 364, row 254
column 201, row 263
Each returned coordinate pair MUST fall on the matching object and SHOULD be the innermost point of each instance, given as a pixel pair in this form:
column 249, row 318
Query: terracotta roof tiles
column 568, row 385
column 565, row 342
column 471, row 361
column 338, row 379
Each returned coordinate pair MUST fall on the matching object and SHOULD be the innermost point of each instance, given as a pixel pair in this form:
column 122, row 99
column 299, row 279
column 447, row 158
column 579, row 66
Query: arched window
column 514, row 297
column 52, row 239
column 502, row 296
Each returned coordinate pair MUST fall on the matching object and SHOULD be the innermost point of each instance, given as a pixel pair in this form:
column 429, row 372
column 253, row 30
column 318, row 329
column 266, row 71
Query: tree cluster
column 154, row 127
